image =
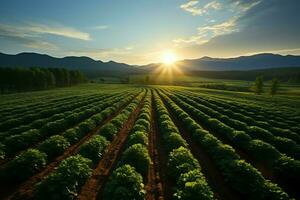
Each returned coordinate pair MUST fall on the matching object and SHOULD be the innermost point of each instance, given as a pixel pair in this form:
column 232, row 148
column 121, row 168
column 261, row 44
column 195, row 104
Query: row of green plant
column 57, row 113
column 182, row 167
column 21, row 104
column 284, row 145
column 47, row 112
column 21, row 109
column 27, row 163
column 19, row 142
column 127, row 180
column 250, row 121
column 73, row 172
column 271, row 115
column 240, row 175
column 284, row 167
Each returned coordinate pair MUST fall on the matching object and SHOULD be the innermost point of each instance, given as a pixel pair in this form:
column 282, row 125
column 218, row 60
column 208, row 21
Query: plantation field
column 123, row 142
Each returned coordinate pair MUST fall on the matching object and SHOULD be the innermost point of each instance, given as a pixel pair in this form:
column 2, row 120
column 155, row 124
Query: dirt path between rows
column 26, row 190
column 154, row 186
column 261, row 166
column 212, row 174
column 167, row 184
column 35, row 145
column 95, row 184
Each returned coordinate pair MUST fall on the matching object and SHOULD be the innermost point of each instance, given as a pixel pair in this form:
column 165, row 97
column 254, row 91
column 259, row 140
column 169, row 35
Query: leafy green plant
column 66, row 180
column 181, row 161
column 125, row 183
column 25, row 165
column 137, row 137
column 109, row 131
column 138, row 157
column 94, row 148
column 54, row 146
column 192, row 186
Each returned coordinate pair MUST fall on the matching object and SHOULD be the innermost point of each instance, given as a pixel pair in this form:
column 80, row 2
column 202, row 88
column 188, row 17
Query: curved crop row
column 64, row 111
column 241, row 176
column 127, row 180
column 182, row 166
column 251, row 119
column 54, row 186
column 261, row 114
column 15, row 143
column 284, row 145
column 55, row 145
column 45, row 113
column 286, row 168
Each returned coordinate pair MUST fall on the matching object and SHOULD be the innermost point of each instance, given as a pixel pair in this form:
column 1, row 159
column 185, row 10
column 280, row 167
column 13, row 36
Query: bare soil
column 95, row 184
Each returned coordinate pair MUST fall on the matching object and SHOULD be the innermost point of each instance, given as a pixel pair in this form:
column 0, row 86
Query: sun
column 169, row 58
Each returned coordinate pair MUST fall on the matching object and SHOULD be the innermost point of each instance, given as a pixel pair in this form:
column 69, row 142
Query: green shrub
column 138, row 157
column 181, row 161
column 87, row 126
column 139, row 127
column 242, row 176
column 73, row 135
column 288, row 169
column 19, row 142
column 263, row 151
column 25, row 165
column 192, row 186
column 138, row 137
column 66, row 180
column 124, row 184
column 144, row 123
column 54, row 146
column 109, row 131
column 173, row 141
column 94, row 148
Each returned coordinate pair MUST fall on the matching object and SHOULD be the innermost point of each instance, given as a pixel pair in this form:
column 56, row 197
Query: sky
column 141, row 31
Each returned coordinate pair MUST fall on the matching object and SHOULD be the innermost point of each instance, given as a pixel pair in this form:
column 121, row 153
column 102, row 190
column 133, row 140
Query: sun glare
column 169, row 58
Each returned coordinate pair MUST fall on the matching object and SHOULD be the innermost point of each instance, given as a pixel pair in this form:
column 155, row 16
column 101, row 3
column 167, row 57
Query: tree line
column 259, row 85
column 35, row 78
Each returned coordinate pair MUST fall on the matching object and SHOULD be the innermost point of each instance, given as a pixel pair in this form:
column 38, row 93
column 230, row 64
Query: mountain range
column 96, row 67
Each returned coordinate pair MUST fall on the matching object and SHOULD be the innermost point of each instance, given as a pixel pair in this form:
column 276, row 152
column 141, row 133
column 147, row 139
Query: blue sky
column 140, row 31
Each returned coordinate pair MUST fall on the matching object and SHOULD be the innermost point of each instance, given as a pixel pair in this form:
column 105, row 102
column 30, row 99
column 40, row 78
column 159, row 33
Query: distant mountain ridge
column 93, row 67
column 254, row 62
column 87, row 65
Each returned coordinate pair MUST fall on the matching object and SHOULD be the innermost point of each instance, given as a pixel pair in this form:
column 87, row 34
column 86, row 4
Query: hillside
column 231, row 68
column 258, row 61
column 85, row 64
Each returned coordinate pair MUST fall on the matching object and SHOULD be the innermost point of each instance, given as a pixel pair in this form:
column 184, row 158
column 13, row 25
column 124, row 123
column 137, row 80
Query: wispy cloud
column 194, row 9
column 33, row 30
column 26, row 39
column 100, row 27
column 56, row 30
column 205, row 33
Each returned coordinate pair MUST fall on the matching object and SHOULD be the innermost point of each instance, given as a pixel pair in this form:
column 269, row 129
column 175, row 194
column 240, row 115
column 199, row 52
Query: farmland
column 118, row 141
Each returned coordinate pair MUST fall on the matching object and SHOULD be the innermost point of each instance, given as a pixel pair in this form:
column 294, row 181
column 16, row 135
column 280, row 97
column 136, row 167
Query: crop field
column 131, row 142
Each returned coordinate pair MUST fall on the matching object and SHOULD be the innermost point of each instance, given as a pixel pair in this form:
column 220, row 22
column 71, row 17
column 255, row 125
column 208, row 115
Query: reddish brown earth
column 94, row 185
column 154, row 186
column 167, row 184
column 212, row 174
column 26, row 190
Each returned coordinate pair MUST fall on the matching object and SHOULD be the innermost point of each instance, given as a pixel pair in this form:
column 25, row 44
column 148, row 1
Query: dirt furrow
column 94, row 185
column 212, row 174
column 167, row 184
column 154, row 185
column 25, row 190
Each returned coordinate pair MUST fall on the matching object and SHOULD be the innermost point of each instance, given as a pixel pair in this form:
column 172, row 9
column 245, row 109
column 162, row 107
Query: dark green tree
column 259, row 84
column 274, row 86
